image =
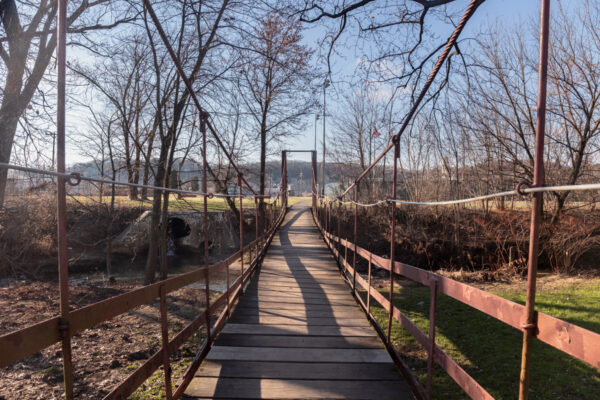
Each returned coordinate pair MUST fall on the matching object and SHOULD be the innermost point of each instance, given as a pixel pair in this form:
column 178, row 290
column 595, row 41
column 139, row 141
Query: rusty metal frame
column 529, row 323
column 564, row 336
column 24, row 342
column 569, row 338
column 31, row 339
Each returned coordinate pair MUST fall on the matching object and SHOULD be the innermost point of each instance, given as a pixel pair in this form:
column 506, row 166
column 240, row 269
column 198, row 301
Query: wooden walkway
column 297, row 332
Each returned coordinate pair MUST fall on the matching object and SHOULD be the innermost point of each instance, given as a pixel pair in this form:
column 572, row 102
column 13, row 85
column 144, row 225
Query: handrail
column 21, row 343
column 569, row 338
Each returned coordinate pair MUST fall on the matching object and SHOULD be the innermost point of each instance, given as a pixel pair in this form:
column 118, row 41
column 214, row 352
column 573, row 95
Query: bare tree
column 196, row 36
column 500, row 102
column 356, row 133
column 123, row 79
column 27, row 44
column 276, row 81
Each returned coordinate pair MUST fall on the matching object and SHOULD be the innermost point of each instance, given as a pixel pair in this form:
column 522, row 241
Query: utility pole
column 325, row 85
column 316, row 119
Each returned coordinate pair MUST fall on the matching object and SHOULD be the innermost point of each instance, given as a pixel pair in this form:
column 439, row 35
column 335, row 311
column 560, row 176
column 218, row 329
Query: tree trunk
column 153, row 243
column 146, row 177
column 13, row 105
column 128, row 165
column 136, row 172
column 263, row 156
column 8, row 127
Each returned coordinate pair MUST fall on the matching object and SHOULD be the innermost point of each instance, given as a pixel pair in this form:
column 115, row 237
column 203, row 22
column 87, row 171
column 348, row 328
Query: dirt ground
column 103, row 355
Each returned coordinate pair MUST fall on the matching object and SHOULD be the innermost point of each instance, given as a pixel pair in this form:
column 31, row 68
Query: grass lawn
column 490, row 351
column 184, row 204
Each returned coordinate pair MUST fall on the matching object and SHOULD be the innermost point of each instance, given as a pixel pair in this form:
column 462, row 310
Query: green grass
column 490, row 351
column 184, row 204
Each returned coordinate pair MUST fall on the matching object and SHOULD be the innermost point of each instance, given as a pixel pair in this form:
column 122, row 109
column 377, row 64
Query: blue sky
column 503, row 12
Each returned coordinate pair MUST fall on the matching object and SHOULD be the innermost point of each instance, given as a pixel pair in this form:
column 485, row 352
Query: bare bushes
column 493, row 244
column 566, row 241
column 28, row 231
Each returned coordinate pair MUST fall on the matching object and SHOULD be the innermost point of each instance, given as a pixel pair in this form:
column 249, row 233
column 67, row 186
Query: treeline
column 475, row 134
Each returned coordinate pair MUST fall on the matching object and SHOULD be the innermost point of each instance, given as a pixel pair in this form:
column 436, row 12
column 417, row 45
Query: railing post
column 241, row 228
column 339, row 226
column 369, row 285
column 530, row 323
column 284, row 199
column 314, row 180
column 430, row 360
column 164, row 327
column 204, row 117
column 355, row 235
column 256, row 244
column 328, row 213
column 345, row 254
column 61, row 200
column 393, row 240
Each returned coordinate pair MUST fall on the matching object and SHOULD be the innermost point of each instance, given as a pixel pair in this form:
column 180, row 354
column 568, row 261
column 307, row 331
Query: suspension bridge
column 293, row 324
column 297, row 332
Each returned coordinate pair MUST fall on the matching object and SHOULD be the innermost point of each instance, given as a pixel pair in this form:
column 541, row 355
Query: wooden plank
column 296, row 285
column 294, row 389
column 312, row 321
column 258, row 329
column 284, row 296
column 302, row 300
column 288, row 370
column 279, row 354
column 330, row 342
column 305, row 275
column 298, row 290
column 301, row 281
column 268, row 305
column 345, row 312
column 303, row 284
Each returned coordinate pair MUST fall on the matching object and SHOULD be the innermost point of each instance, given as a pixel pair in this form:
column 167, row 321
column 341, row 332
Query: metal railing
column 21, row 343
column 564, row 336
column 24, row 342
column 569, row 338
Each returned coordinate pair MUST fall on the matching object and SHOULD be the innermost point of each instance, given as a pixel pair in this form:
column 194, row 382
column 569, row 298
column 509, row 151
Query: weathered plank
column 336, row 312
column 257, row 329
column 292, row 306
column 323, row 294
column 313, row 321
column 296, row 370
column 217, row 388
column 298, row 290
column 348, row 301
column 328, row 342
column 298, row 354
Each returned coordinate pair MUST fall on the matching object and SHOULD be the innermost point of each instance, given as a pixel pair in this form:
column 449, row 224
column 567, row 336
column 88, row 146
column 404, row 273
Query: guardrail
column 27, row 341
column 564, row 336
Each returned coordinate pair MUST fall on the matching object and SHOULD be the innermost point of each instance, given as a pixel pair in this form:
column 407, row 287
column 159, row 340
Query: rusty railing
column 564, row 336
column 24, row 342
column 569, row 338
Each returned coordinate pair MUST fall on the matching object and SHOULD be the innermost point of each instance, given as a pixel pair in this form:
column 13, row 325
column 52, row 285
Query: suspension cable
column 73, row 179
column 449, row 44
column 517, row 192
